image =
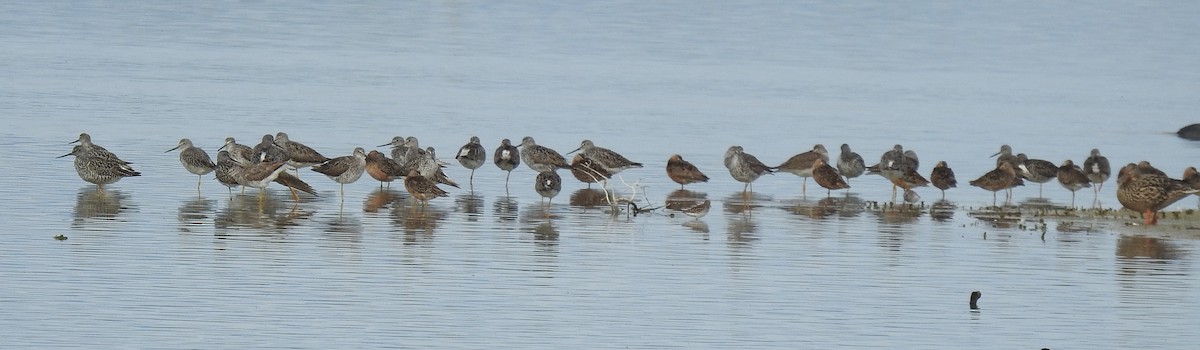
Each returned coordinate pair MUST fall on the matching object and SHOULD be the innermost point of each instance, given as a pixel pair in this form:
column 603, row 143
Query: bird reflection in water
column 471, row 204
column 742, row 229
column 419, row 222
column 942, row 210
column 545, row 234
column 195, row 212
column 998, row 217
column 1142, row 247
column 1142, row 256
column 92, row 203
column 739, row 203
column 382, row 198
column 588, row 198
column 269, row 212
column 681, row 199
column 505, row 209
column 825, row 207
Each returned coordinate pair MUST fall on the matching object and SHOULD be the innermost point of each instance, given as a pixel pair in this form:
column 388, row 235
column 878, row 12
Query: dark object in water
column 1190, row 132
column 975, row 297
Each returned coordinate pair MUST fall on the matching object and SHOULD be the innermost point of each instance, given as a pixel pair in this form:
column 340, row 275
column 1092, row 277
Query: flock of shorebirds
column 1140, row 187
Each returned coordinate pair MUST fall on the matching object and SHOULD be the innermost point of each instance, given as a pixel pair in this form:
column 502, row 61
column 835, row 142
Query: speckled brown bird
column 827, row 177
column 587, row 171
column 684, row 172
column 422, row 188
column 1001, row 178
column 802, row 164
column 1191, row 177
column 942, row 177
column 1148, row 192
column 1071, row 177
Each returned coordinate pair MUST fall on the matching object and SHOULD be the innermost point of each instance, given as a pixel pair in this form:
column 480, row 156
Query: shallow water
column 156, row 264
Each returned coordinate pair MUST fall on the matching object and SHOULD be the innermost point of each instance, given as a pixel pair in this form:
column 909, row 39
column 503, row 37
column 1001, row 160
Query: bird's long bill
column 386, row 144
column 73, row 142
column 222, row 147
column 176, row 147
column 997, row 153
column 576, row 150
column 64, row 155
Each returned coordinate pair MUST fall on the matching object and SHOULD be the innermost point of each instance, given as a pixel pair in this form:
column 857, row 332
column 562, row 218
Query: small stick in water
column 974, row 298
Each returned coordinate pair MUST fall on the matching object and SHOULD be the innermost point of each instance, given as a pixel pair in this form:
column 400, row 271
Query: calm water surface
column 153, row 263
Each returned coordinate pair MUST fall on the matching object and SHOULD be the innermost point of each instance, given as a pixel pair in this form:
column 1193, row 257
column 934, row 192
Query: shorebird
column 802, row 164
column 382, row 168
column 684, row 172
column 548, row 184
column 541, row 158
column 744, row 167
column 1071, row 177
column 588, row 171
column 194, row 159
column 611, row 161
column 421, row 188
column 1097, row 169
column 85, row 140
column 398, row 149
column 298, row 154
column 232, row 146
column 1148, row 192
column 826, row 176
column 507, row 158
column 225, row 171
column 850, row 164
column 1036, row 170
column 259, row 175
column 431, row 168
column 471, row 156
column 100, row 168
column 1001, row 178
column 942, row 177
column 268, row 152
column 1006, row 156
column 344, row 169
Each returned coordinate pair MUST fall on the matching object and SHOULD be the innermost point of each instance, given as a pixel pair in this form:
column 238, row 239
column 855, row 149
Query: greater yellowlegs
column 1001, row 178
column 548, row 184
column 259, row 175
column 942, row 177
column 1071, row 177
column 268, row 152
column 383, row 168
column 344, row 169
column 1147, row 192
column 507, row 158
column 612, row 161
column 1006, row 156
column 850, row 164
column 1036, row 170
column 100, row 168
column 541, row 158
column 471, row 156
column 398, row 149
column 588, row 171
column 744, row 167
column 298, row 154
column 243, row 151
column 226, row 171
column 826, row 176
column 802, row 164
column 432, row 168
column 684, row 172
column 194, row 159
column 1097, row 169
column 85, row 140
column 421, row 188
